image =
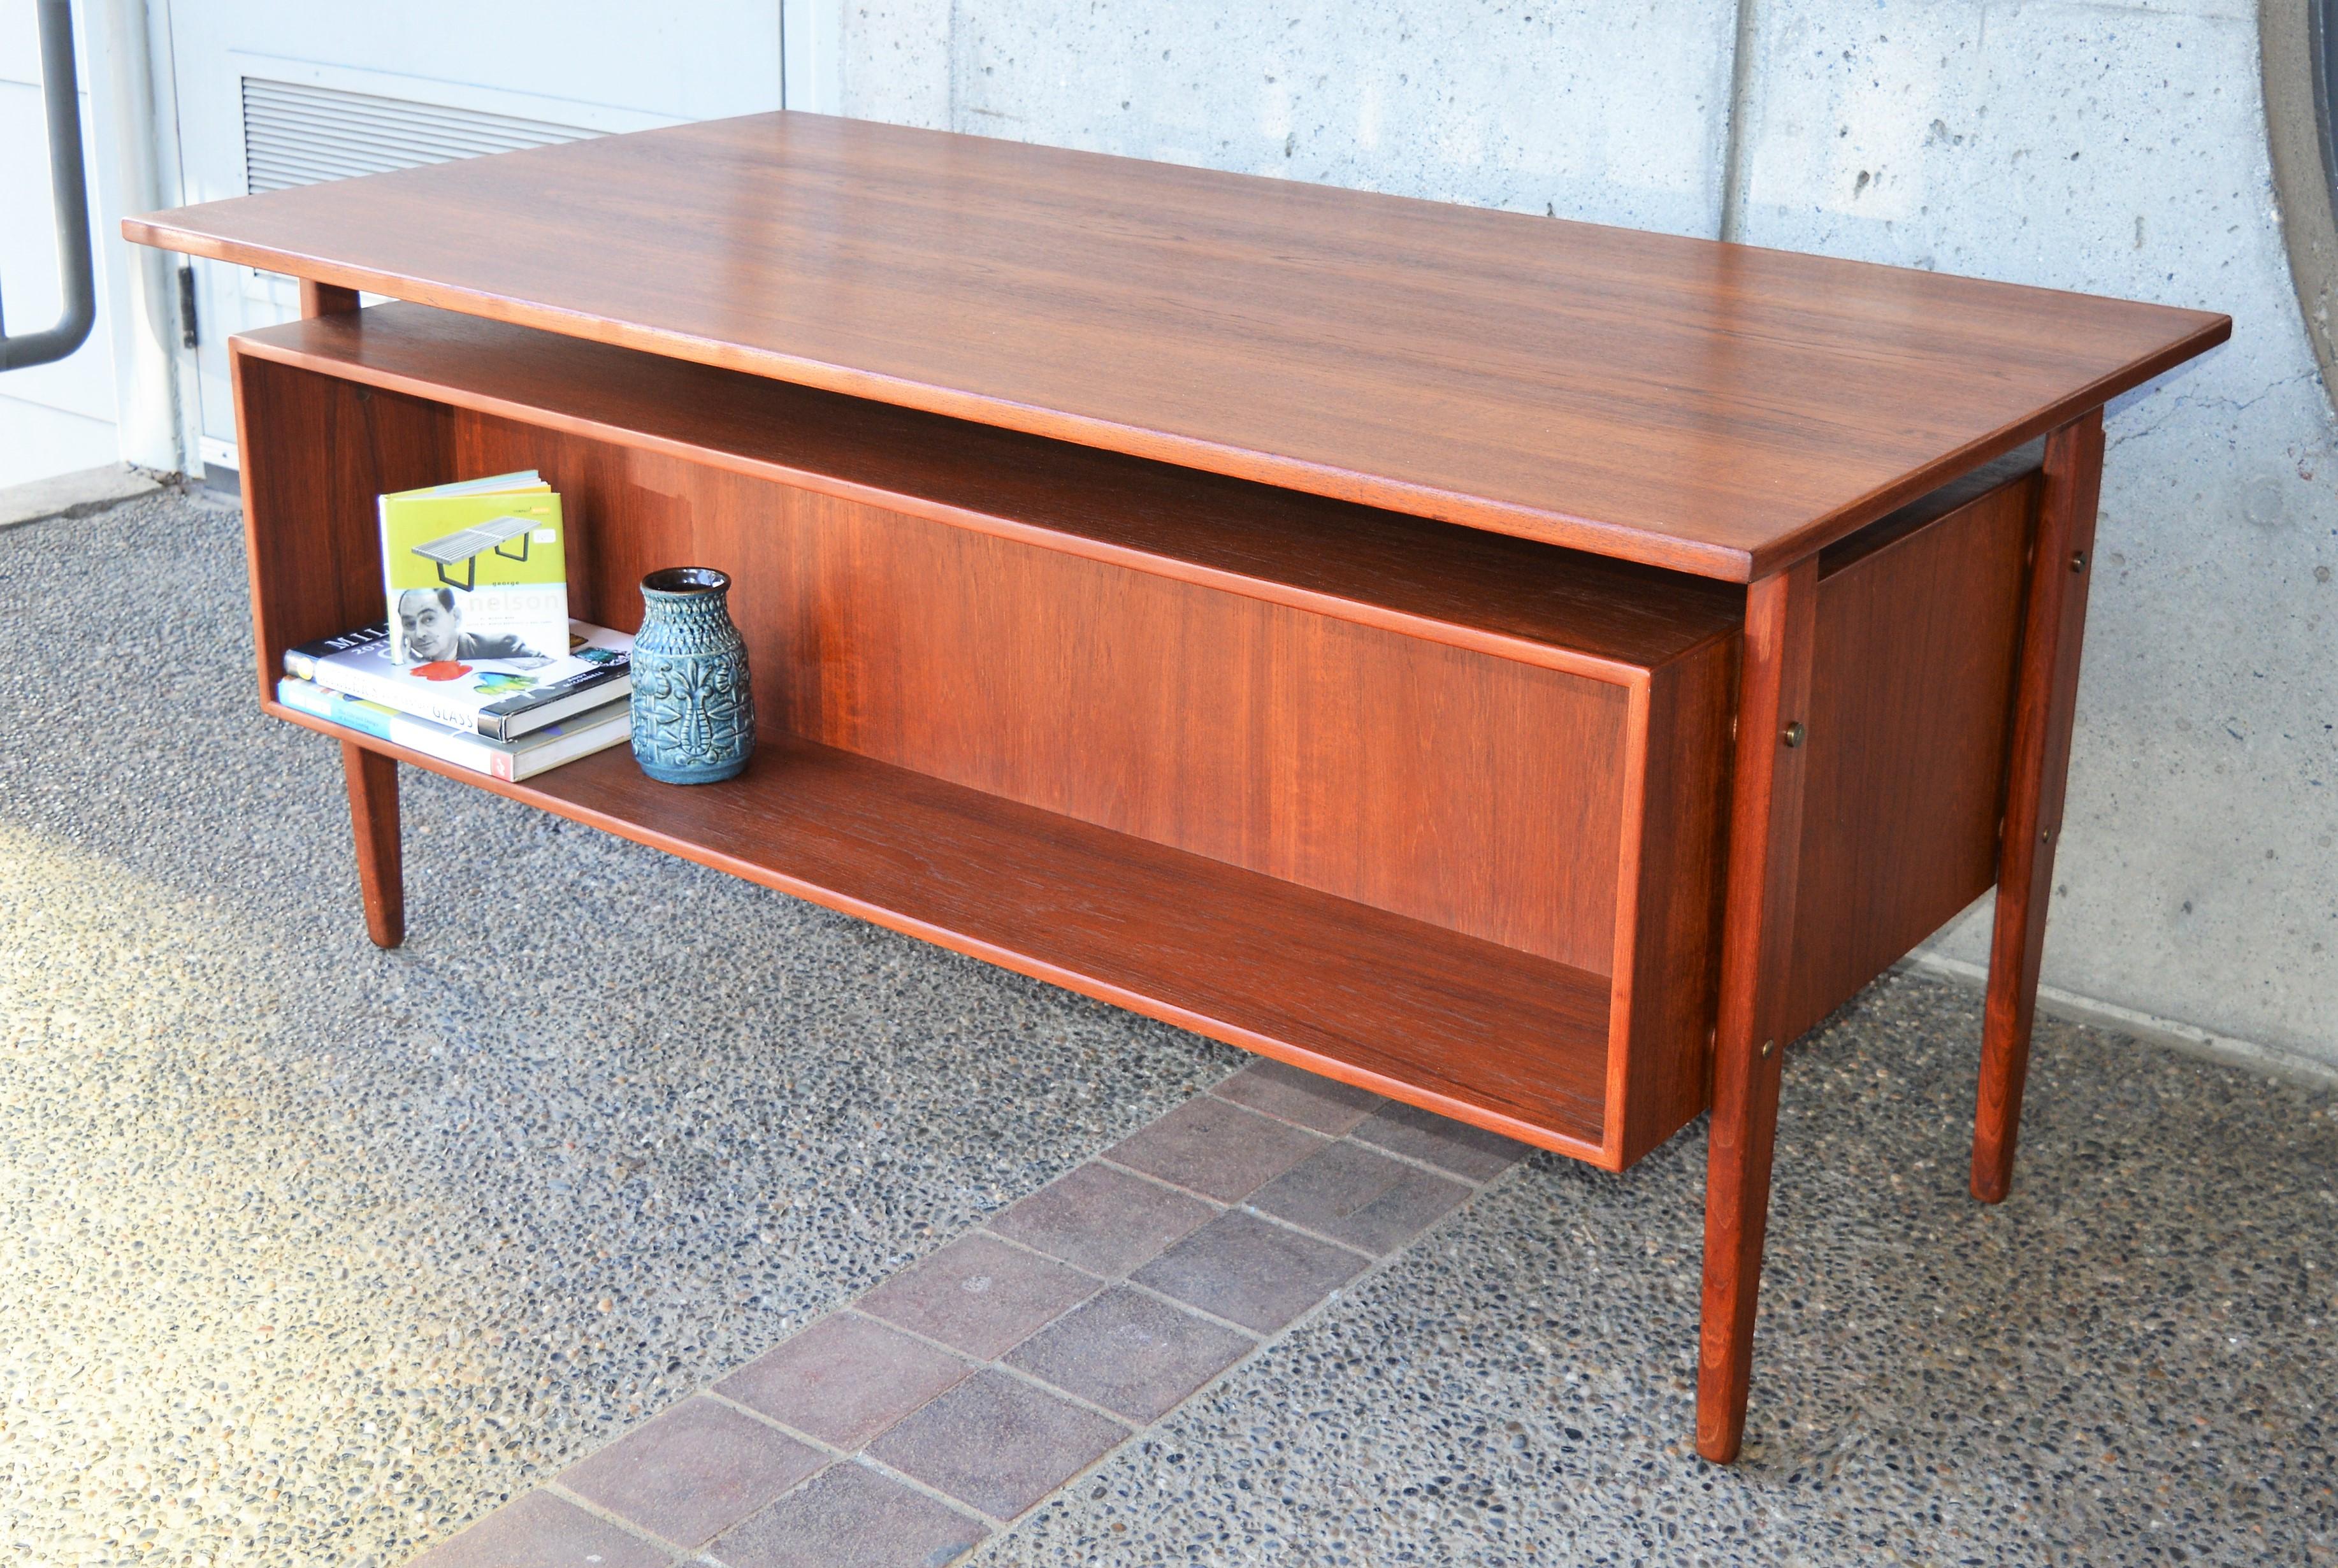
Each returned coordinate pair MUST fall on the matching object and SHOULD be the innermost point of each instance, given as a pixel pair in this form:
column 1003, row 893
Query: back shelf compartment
column 1431, row 811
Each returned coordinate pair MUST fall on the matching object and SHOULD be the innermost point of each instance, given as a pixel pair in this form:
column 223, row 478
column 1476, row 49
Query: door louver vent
column 297, row 134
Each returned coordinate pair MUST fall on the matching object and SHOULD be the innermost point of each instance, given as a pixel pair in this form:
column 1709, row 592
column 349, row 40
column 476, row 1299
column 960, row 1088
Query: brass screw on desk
column 1795, row 733
column 1767, row 1047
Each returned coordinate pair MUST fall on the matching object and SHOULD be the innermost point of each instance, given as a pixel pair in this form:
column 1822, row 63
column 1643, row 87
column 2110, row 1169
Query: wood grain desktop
column 1528, row 670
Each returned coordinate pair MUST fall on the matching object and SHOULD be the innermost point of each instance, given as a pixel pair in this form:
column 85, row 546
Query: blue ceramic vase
column 693, row 709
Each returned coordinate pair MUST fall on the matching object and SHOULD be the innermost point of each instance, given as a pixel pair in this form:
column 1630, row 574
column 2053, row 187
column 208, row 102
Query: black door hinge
column 187, row 335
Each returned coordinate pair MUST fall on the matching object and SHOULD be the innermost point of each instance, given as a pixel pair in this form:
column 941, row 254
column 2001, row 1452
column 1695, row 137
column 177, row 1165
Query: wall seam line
column 1732, row 225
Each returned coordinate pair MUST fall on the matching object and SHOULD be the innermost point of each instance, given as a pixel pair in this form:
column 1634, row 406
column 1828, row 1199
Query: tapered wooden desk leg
column 2046, row 700
column 382, row 859
column 372, row 778
column 1765, row 815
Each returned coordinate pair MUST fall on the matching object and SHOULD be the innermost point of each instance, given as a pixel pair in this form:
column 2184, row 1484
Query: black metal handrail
column 60, row 89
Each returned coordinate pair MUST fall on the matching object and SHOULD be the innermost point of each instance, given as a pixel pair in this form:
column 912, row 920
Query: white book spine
column 391, row 694
column 448, row 746
column 431, row 739
column 582, row 741
column 466, row 749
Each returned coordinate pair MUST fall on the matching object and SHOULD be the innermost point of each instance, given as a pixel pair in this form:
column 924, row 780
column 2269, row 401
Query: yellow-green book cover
column 476, row 572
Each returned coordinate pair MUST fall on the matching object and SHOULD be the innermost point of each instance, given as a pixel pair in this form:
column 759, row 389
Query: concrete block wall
column 1612, row 112
column 2085, row 145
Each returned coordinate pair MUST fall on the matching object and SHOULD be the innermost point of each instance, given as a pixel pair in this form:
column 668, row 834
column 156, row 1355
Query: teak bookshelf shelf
column 1528, row 670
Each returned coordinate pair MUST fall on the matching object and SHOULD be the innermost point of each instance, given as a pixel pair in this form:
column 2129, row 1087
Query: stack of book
column 476, row 663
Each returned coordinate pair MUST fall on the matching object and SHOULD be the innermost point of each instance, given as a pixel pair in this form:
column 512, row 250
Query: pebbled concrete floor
column 311, row 1254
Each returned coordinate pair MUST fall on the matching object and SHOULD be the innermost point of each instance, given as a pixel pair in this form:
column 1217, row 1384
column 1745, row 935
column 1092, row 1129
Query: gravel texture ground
column 311, row 1253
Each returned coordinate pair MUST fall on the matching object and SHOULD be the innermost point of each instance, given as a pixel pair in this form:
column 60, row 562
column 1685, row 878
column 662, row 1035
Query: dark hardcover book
column 499, row 699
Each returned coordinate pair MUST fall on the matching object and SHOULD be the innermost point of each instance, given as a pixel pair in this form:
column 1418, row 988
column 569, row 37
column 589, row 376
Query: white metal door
column 274, row 93
column 56, row 418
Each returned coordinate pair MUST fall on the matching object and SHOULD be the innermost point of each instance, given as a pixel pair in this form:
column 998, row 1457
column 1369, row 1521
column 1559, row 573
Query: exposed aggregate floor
column 311, row 1253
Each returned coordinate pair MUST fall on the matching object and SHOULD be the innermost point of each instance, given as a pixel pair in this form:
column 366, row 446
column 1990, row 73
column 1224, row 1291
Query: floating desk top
column 1717, row 408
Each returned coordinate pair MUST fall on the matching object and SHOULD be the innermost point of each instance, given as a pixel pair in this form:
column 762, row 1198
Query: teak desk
column 1529, row 670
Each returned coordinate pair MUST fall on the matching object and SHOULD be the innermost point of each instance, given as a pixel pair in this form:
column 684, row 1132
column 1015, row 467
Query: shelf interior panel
column 1506, row 596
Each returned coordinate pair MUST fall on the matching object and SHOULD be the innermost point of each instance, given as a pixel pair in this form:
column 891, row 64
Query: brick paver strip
column 1366, row 1199
column 1322, row 1103
column 1249, row 1272
column 851, row 1517
column 976, row 1381
column 1103, row 1220
column 693, row 1473
column 1468, row 1152
column 1215, row 1149
column 844, row 1379
column 979, row 1295
column 1133, row 1354
column 998, row 1442
column 539, row 1530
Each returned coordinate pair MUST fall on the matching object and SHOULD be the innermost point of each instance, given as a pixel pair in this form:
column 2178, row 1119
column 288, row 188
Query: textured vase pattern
column 693, row 706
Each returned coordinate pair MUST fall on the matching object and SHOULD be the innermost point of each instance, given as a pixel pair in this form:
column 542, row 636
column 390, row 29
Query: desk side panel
column 1672, row 997
column 315, row 452
column 1912, row 697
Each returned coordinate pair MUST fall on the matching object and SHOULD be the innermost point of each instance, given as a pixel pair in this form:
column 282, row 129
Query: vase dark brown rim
column 680, row 581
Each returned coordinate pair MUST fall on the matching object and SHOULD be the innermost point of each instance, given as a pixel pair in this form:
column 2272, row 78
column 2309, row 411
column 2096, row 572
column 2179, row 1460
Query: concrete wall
column 1614, row 112
column 2112, row 148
